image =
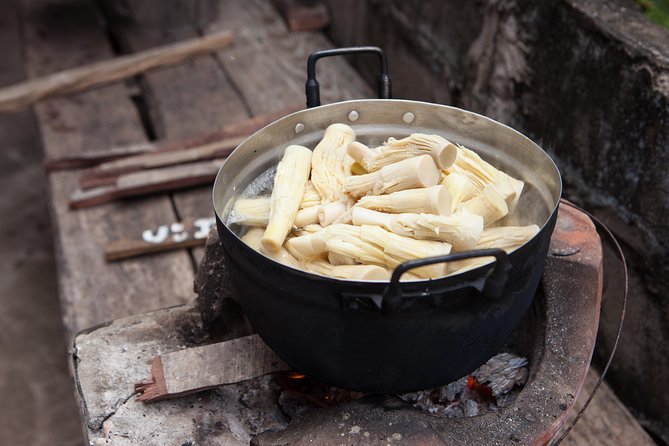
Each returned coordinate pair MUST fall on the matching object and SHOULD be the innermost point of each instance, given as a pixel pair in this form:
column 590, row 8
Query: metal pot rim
column 353, row 112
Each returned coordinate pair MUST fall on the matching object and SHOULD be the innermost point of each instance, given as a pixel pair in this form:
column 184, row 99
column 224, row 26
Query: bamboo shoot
column 250, row 212
column 291, row 177
column 429, row 200
column 462, row 230
column 331, row 165
column 442, row 151
column 416, row 172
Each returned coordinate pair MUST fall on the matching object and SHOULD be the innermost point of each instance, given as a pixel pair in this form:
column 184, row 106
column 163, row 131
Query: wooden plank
column 267, row 54
column 196, row 369
column 185, row 101
column 267, row 68
column 74, row 80
column 606, row 421
column 59, row 36
column 166, row 237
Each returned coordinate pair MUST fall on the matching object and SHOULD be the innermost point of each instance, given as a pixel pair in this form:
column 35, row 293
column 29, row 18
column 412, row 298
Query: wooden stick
column 196, row 369
column 78, row 79
column 145, row 182
column 236, row 129
column 88, row 159
column 109, row 172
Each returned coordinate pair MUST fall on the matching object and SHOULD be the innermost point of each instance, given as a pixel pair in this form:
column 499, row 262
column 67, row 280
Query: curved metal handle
column 493, row 285
column 312, row 87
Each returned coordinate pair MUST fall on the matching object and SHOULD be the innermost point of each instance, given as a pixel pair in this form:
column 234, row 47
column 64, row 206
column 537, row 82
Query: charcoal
column 470, row 408
column 452, row 391
column 502, row 373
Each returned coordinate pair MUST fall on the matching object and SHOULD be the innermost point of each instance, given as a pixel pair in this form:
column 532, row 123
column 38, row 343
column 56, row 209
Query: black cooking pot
column 380, row 336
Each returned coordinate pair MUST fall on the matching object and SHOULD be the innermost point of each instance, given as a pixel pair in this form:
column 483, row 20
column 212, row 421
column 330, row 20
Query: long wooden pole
column 81, row 78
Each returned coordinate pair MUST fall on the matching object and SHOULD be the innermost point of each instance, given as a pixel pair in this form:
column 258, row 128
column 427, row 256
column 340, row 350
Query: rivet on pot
column 408, row 117
column 353, row 116
column 299, row 127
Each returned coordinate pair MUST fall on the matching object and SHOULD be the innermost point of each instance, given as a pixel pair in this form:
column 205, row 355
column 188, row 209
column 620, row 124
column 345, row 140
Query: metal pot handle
column 312, row 88
column 493, row 284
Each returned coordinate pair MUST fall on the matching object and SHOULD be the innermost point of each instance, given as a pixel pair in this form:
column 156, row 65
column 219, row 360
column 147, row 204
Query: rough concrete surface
column 230, row 415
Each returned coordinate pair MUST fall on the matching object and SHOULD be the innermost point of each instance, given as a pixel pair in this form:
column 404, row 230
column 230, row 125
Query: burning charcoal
column 470, row 408
column 452, row 391
column 502, row 372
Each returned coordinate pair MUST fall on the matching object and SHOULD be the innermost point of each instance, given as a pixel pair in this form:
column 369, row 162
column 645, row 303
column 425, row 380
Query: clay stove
column 557, row 337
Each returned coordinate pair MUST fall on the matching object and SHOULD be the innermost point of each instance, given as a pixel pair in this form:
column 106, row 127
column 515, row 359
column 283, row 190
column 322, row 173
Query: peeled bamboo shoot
column 329, row 212
column 311, row 197
column 507, row 238
column 399, row 249
column 253, row 238
column 362, row 154
column 462, row 230
column 331, row 165
column 488, row 204
column 306, row 217
column 482, row 174
column 430, row 200
column 441, row 150
column 292, row 174
column 352, row 272
column 460, row 188
column 250, row 211
column 416, row 172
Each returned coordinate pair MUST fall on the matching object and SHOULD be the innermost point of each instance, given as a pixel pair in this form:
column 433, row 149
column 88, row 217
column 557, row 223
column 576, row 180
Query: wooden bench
column 263, row 72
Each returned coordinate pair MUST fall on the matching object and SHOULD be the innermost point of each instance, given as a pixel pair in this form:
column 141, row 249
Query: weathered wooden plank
column 267, row 68
column 166, row 237
column 185, row 101
column 193, row 370
column 266, row 54
column 606, row 421
column 58, row 36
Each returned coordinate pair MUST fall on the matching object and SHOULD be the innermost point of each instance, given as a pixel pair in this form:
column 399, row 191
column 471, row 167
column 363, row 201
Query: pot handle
column 493, row 283
column 312, row 88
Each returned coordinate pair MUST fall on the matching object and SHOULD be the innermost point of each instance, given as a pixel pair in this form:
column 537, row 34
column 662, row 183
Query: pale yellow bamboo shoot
column 416, row 172
column 250, row 212
column 362, row 154
column 253, row 238
column 462, row 230
column 441, row 150
column 307, row 216
column 488, row 204
column 429, row 200
column 331, row 165
column 291, row 177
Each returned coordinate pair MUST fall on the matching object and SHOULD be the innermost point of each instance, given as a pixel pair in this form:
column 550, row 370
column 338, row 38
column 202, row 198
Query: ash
column 492, row 386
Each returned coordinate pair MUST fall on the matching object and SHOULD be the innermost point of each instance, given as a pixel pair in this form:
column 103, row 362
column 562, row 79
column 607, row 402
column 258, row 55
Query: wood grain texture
column 167, row 237
column 606, row 421
column 135, row 184
column 186, row 101
column 99, row 73
column 59, row 36
column 196, row 369
column 265, row 73
column 109, row 173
